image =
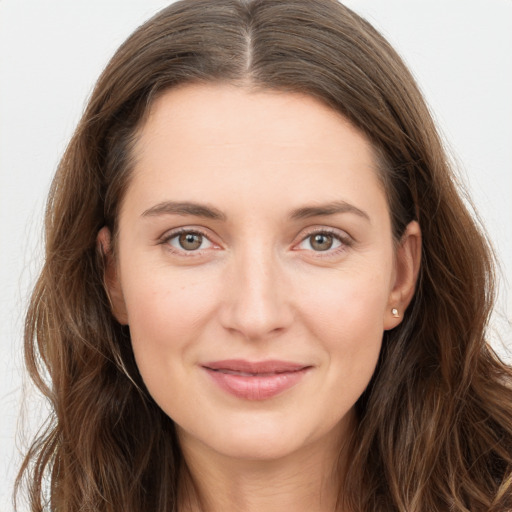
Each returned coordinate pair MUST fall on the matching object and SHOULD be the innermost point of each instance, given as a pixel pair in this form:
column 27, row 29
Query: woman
column 262, row 289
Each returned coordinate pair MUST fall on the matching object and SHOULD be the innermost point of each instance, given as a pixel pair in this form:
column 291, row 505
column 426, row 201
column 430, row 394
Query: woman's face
column 256, row 268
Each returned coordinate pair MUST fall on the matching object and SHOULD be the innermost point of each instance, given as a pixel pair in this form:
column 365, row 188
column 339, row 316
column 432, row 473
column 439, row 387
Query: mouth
column 255, row 380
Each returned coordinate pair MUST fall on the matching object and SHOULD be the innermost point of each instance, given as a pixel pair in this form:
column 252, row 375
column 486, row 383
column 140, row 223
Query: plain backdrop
column 52, row 51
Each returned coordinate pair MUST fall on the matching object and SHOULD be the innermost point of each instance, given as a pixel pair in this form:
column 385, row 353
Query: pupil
column 322, row 242
column 190, row 241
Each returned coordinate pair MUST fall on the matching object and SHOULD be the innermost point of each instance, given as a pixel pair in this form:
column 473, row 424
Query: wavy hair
column 435, row 423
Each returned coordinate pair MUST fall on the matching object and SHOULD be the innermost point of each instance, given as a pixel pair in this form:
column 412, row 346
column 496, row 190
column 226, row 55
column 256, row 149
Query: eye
column 189, row 241
column 322, row 241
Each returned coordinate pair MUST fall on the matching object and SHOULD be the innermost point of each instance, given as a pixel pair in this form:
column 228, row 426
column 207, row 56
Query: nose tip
column 257, row 304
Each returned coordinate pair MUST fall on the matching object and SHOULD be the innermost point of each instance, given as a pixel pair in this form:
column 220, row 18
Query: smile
column 255, row 380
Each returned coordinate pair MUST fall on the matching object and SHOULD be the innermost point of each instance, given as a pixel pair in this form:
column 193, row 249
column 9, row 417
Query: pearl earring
column 394, row 312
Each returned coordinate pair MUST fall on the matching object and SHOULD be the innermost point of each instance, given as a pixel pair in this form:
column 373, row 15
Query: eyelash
column 188, row 254
column 345, row 241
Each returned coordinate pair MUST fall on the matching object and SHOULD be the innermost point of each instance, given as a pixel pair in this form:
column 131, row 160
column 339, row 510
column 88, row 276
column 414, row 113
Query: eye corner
column 340, row 241
column 170, row 240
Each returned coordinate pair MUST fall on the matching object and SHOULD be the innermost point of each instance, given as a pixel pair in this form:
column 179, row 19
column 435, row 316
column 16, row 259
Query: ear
column 111, row 280
column 407, row 266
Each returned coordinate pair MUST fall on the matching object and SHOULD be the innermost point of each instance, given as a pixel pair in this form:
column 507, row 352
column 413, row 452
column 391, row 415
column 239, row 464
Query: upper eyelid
column 171, row 233
column 338, row 233
column 324, row 229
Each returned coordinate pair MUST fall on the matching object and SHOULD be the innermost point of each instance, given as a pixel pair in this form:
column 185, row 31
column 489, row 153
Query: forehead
column 230, row 142
column 229, row 114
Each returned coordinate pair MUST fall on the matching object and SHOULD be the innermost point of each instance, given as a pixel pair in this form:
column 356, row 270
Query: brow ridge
column 210, row 212
column 331, row 208
column 185, row 208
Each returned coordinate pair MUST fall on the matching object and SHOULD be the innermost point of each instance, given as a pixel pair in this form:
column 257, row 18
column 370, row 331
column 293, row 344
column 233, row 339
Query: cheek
column 166, row 313
column 346, row 304
column 346, row 316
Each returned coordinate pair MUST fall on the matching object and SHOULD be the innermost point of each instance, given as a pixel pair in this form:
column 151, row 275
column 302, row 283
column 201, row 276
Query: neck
column 307, row 480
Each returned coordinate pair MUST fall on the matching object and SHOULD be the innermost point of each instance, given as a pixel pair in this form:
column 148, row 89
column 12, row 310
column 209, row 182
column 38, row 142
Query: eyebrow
column 185, row 208
column 210, row 212
column 331, row 208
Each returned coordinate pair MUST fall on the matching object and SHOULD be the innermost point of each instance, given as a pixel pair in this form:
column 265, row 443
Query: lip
column 258, row 380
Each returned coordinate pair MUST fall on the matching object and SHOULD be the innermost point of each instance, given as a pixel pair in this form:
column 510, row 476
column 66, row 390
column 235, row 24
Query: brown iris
column 190, row 241
column 321, row 241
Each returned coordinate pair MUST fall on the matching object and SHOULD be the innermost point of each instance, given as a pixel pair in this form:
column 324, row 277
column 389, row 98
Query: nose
column 257, row 300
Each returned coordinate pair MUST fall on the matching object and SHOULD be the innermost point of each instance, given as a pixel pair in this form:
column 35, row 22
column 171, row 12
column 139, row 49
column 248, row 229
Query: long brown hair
column 435, row 423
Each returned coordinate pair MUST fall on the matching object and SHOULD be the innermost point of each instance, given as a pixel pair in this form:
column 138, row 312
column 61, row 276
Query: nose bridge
column 256, row 296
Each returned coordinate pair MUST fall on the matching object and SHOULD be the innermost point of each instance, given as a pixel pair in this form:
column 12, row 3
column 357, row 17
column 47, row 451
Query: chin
column 261, row 438
column 257, row 447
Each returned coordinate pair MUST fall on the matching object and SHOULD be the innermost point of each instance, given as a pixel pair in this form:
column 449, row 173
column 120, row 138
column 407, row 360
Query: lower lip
column 256, row 387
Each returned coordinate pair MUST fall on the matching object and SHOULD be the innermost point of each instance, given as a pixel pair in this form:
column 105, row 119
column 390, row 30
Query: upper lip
column 255, row 367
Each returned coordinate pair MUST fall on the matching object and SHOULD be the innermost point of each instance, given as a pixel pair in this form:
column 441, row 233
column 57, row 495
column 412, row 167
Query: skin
column 259, row 287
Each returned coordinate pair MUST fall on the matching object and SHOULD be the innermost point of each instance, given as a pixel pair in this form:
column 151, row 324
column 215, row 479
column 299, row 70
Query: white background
column 52, row 51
